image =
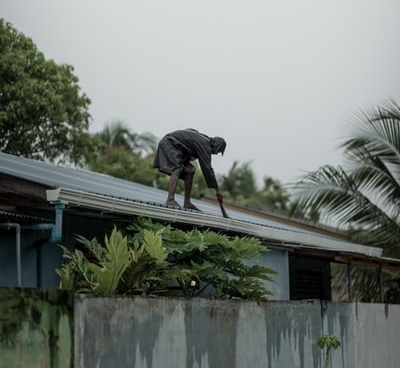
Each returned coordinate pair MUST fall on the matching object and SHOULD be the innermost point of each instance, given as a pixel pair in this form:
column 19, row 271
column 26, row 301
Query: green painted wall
column 36, row 328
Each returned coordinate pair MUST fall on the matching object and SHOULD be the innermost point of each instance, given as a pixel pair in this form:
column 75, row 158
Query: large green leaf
column 110, row 271
column 153, row 245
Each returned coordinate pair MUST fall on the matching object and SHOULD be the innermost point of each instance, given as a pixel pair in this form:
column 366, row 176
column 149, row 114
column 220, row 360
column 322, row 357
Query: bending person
column 174, row 155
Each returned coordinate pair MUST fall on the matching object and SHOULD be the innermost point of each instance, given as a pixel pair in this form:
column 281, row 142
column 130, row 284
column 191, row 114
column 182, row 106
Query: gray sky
column 278, row 79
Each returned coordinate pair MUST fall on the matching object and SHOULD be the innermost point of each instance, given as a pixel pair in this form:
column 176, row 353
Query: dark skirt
column 170, row 158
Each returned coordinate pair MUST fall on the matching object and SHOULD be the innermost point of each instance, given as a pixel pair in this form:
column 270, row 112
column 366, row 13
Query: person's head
column 218, row 145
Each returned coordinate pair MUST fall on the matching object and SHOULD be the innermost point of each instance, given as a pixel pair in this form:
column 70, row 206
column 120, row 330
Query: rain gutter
column 290, row 238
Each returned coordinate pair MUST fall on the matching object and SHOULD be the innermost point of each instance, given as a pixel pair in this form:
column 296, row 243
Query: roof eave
column 129, row 207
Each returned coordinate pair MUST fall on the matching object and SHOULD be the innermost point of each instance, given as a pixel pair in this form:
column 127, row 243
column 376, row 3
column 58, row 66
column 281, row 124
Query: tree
column 124, row 164
column 123, row 154
column 364, row 196
column 43, row 113
column 240, row 182
column 117, row 134
column 240, row 186
column 273, row 196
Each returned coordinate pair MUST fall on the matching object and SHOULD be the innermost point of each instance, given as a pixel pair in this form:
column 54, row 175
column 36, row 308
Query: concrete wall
column 36, row 328
column 41, row 328
column 172, row 333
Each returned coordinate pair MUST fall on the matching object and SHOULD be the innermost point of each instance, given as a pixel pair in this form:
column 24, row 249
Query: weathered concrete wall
column 172, row 333
column 36, row 328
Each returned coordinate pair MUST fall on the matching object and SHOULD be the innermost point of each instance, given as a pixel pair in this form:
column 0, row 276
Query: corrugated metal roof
column 105, row 186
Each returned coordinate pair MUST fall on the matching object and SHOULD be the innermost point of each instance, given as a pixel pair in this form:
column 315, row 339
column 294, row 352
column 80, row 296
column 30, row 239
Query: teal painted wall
column 39, row 257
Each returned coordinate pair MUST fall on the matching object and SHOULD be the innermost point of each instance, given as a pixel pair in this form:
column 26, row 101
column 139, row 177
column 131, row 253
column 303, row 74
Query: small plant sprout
column 328, row 342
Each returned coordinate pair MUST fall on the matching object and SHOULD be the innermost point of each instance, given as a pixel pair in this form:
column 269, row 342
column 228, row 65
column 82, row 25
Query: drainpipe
column 56, row 228
column 56, row 235
column 17, row 228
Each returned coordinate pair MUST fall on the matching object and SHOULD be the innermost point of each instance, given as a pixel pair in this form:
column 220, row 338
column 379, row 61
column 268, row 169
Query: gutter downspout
column 56, row 236
column 56, row 228
column 17, row 228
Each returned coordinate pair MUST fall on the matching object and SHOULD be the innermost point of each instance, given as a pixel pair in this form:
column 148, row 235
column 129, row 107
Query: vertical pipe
column 17, row 227
column 349, row 281
column 57, row 229
column 380, row 283
column 18, row 246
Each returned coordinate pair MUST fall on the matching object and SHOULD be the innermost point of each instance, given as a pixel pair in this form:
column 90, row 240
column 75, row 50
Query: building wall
column 39, row 256
column 278, row 261
column 172, row 333
column 33, row 247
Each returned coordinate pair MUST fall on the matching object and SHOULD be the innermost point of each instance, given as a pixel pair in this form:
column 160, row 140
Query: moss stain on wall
column 36, row 328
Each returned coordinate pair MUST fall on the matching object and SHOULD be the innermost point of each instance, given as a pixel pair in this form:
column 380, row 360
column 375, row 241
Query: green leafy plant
column 109, row 270
column 217, row 263
column 157, row 259
column 328, row 342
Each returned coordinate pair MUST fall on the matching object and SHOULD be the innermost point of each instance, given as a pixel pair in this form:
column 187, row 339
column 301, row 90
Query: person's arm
column 204, row 157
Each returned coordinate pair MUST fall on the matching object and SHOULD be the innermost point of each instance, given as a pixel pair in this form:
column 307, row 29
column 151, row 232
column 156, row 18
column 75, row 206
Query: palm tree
column 364, row 195
column 124, row 154
column 117, row 134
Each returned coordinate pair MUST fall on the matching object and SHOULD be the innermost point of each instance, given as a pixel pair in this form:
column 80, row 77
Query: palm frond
column 375, row 138
column 336, row 195
column 365, row 195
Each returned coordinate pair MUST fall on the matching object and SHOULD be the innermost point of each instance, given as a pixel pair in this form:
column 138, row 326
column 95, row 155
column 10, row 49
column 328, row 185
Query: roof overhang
column 284, row 237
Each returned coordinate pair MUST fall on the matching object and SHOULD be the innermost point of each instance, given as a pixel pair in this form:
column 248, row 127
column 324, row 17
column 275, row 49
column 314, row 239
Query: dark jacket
column 177, row 149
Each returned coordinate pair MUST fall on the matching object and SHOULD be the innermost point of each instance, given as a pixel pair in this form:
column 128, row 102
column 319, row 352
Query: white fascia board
column 285, row 237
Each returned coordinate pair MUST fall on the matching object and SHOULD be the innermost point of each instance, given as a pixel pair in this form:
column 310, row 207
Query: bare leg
column 188, row 191
column 173, row 183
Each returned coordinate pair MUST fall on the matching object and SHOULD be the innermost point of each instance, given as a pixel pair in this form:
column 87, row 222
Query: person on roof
column 174, row 154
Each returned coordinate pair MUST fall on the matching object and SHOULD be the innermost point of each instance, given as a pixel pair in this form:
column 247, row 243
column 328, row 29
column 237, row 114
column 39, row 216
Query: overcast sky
column 278, row 79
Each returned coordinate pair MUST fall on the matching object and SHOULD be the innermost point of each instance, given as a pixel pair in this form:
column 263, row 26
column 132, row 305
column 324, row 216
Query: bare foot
column 173, row 203
column 191, row 206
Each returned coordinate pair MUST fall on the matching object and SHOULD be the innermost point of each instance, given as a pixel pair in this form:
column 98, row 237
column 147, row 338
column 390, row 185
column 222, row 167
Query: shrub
column 156, row 259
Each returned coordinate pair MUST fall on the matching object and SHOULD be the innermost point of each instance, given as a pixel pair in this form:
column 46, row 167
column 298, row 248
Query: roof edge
column 123, row 206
